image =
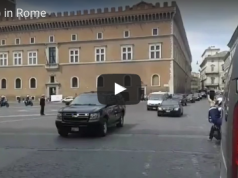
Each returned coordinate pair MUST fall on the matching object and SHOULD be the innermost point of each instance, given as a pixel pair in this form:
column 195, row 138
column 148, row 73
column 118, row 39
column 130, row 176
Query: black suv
column 86, row 112
column 181, row 98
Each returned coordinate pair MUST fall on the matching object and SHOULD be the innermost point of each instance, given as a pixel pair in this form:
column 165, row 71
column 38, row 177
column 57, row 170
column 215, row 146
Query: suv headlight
column 159, row 108
column 176, row 109
column 59, row 116
column 94, row 116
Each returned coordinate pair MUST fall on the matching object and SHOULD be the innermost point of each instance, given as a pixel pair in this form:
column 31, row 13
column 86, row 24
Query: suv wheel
column 103, row 129
column 121, row 122
column 63, row 133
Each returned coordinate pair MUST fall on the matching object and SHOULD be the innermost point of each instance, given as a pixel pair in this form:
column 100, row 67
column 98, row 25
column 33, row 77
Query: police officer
column 214, row 116
column 42, row 105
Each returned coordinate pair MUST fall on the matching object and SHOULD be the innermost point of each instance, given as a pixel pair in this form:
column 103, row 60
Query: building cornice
column 141, row 12
column 233, row 39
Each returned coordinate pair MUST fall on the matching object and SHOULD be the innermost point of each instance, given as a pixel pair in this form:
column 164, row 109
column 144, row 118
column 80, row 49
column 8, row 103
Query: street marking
column 22, row 110
column 27, row 115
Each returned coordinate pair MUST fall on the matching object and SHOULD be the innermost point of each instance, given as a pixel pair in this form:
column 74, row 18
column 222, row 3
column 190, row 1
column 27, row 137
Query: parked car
column 181, row 98
column 170, row 107
column 190, row 98
column 86, row 112
column 196, row 97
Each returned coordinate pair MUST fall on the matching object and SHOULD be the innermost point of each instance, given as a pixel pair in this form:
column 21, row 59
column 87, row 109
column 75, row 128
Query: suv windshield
column 156, row 96
column 86, row 99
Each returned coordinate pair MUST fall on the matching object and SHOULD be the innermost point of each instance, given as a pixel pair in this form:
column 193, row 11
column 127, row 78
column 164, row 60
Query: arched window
column 18, row 83
column 3, row 83
column 100, row 81
column 127, row 81
column 74, row 82
column 155, row 80
column 32, row 83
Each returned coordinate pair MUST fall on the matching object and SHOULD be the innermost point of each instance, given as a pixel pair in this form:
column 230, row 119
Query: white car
column 155, row 99
column 68, row 99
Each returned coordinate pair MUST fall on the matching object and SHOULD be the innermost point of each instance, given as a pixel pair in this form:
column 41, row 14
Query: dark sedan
column 170, row 107
column 190, row 98
column 181, row 98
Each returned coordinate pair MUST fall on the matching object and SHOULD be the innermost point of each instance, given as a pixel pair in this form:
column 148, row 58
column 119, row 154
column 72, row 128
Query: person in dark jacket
column 42, row 105
column 214, row 116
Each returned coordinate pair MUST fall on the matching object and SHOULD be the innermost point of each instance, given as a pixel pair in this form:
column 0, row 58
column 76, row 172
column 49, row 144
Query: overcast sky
column 207, row 22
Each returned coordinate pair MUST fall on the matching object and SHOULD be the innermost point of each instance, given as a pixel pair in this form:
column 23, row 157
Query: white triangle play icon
column 118, row 89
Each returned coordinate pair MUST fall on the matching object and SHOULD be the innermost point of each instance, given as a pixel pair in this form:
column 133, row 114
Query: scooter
column 28, row 103
column 4, row 103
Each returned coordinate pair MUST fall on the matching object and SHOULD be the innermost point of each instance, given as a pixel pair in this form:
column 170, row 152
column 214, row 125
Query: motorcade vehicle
column 170, row 107
column 67, row 99
column 28, row 102
column 4, row 102
column 181, row 98
column 229, row 128
column 190, row 98
column 155, row 99
column 86, row 112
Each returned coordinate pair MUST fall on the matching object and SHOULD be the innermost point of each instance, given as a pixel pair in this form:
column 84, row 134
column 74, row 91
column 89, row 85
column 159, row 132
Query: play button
column 118, row 89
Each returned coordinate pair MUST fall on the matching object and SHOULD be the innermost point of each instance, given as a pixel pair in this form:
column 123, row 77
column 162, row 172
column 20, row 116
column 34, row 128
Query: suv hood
column 83, row 109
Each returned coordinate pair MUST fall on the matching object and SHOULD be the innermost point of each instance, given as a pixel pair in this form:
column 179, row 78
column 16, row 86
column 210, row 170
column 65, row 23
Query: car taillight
column 235, row 143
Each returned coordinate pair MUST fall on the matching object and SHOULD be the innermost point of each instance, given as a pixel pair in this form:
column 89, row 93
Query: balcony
column 211, row 84
column 52, row 66
column 212, row 72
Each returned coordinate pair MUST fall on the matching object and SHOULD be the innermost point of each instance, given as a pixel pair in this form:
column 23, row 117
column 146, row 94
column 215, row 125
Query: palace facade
column 65, row 53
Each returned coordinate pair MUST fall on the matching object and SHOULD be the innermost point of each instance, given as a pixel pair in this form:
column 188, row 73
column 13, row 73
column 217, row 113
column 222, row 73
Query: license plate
column 168, row 111
column 75, row 129
column 154, row 107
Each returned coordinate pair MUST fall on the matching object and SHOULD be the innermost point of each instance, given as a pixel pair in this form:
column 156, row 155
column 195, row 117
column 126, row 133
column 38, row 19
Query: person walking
column 42, row 105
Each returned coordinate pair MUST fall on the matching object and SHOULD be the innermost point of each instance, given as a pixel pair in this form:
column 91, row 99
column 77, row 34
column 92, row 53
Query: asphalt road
column 147, row 146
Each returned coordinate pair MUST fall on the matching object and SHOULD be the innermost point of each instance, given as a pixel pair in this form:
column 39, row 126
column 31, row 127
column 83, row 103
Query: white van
column 155, row 99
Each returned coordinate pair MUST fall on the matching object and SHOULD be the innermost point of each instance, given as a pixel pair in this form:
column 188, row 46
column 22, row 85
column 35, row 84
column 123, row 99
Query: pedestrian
column 42, row 105
column 214, row 117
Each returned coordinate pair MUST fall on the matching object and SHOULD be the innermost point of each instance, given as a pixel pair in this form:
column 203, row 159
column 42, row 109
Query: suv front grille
column 75, row 117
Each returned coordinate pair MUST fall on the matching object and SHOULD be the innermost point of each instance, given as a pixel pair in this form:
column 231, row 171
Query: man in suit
column 42, row 105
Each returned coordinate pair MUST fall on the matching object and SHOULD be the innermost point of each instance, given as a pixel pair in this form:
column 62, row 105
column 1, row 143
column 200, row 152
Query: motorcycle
column 4, row 103
column 28, row 103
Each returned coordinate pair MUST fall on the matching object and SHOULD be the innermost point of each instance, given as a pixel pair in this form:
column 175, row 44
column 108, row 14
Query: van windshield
column 156, row 96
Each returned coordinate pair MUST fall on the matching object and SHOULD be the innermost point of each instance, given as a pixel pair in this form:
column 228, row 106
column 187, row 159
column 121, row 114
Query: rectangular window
column 17, row 58
column 99, row 36
column 126, row 34
column 100, row 54
column 3, row 42
column 51, row 39
column 155, row 51
column 32, row 40
column 3, row 59
column 73, row 37
column 74, row 56
column 32, row 58
column 126, row 53
column 155, row 32
column 17, row 41
column 212, row 80
column 52, row 55
column 52, row 79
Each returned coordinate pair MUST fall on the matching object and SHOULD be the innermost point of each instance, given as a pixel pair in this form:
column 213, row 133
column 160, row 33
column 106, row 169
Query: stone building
column 65, row 53
column 195, row 82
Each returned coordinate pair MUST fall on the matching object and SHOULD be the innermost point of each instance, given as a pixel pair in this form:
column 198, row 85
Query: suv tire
column 121, row 122
column 103, row 129
column 63, row 133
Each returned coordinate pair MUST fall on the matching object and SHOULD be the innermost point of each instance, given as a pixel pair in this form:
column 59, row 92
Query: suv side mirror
column 67, row 103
